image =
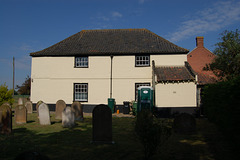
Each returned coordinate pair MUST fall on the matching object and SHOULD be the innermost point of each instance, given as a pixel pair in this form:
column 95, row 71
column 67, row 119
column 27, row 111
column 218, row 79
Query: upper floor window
column 141, row 61
column 81, row 62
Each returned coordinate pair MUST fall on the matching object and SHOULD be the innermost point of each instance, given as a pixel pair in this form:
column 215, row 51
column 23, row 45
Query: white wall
column 176, row 94
column 53, row 77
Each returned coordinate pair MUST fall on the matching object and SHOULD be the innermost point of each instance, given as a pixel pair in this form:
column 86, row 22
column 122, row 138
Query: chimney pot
column 199, row 42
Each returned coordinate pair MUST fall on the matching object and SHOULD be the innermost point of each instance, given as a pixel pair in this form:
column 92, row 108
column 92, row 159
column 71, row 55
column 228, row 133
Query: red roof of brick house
column 198, row 58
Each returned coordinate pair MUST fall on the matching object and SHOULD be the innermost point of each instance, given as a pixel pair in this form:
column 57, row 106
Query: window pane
column 81, row 61
column 142, row 60
column 81, row 92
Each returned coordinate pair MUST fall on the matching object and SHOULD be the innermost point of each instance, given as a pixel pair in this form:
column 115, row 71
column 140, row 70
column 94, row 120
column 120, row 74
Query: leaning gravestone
column 184, row 124
column 29, row 107
column 78, row 110
column 44, row 115
column 60, row 106
column 5, row 119
column 20, row 114
column 68, row 117
column 102, row 124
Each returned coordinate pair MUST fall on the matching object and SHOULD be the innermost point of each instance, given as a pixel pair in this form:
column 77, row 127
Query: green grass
column 62, row 143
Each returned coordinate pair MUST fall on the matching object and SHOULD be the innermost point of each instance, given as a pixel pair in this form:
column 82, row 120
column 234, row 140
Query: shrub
column 5, row 95
column 150, row 132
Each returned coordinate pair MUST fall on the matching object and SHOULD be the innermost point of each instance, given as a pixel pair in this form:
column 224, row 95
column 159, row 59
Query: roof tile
column 180, row 73
column 111, row 42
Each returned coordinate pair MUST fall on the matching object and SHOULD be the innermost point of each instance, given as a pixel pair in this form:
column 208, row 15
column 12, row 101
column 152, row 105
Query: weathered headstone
column 8, row 104
column 60, row 106
column 184, row 124
column 78, row 110
column 37, row 105
column 68, row 117
column 102, row 124
column 20, row 114
column 44, row 115
column 5, row 119
column 29, row 107
column 20, row 101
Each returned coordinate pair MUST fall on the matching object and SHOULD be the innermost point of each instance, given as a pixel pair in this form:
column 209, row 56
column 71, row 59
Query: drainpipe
column 111, row 77
column 153, row 81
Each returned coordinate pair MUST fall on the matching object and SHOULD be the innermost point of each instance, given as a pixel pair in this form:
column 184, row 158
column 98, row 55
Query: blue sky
column 32, row 25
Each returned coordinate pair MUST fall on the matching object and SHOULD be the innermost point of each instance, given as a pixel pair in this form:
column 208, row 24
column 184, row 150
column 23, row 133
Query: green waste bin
column 111, row 104
column 134, row 108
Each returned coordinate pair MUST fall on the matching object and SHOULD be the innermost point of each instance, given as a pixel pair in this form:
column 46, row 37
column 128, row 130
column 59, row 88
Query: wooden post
column 13, row 74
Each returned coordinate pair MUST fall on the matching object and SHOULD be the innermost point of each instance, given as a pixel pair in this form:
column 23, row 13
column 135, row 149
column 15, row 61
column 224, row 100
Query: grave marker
column 5, row 119
column 102, row 124
column 29, row 107
column 44, row 115
column 20, row 114
column 60, row 106
column 68, row 117
column 78, row 110
column 184, row 124
column 37, row 105
column 20, row 101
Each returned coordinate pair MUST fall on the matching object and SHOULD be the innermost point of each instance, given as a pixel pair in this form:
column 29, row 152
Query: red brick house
column 198, row 58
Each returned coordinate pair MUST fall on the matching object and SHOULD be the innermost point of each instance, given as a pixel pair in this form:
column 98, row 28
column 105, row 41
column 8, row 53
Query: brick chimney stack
column 199, row 42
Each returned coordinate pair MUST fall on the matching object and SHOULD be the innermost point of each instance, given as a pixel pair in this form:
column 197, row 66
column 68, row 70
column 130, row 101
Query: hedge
column 221, row 103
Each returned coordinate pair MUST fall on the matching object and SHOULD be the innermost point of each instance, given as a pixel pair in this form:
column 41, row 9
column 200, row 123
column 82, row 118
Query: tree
column 6, row 95
column 227, row 63
column 25, row 88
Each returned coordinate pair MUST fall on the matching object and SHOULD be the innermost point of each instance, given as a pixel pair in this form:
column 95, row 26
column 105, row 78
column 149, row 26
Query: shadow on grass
column 57, row 142
column 30, row 121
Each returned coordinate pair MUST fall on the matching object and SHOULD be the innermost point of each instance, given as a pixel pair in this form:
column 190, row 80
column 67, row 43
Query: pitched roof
column 198, row 58
column 177, row 73
column 112, row 42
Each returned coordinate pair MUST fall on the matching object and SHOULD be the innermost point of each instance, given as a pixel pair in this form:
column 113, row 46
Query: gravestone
column 184, row 124
column 20, row 114
column 44, row 115
column 37, row 105
column 68, row 117
column 29, row 107
column 78, row 110
column 60, row 106
column 5, row 119
column 8, row 104
column 102, row 124
column 20, row 101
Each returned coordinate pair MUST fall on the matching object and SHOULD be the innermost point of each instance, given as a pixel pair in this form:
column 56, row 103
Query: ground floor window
column 139, row 85
column 81, row 92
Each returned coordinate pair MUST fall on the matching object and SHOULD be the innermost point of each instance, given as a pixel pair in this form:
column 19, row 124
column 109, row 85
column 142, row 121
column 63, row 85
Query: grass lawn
column 62, row 143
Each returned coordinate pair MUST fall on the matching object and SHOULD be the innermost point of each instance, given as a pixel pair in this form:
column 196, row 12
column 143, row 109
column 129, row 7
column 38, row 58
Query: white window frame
column 142, row 61
column 81, row 62
column 137, row 85
column 81, row 92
